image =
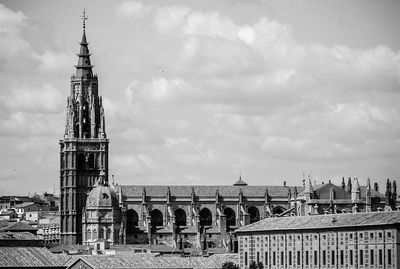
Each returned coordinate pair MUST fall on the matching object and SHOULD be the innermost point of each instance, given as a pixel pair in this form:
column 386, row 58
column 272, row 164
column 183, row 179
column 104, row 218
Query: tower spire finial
column 84, row 18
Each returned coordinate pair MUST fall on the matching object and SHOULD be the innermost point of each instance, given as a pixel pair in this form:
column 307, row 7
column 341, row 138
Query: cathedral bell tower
column 84, row 148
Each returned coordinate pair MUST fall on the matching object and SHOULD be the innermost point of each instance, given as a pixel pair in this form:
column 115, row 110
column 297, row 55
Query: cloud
column 195, row 95
column 45, row 99
column 242, row 95
column 132, row 9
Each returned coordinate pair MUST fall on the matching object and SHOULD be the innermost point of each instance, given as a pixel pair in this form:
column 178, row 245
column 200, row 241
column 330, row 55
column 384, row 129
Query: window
column 273, row 258
column 380, row 235
column 282, row 258
column 371, row 235
column 333, row 257
column 306, row 256
column 380, row 257
column 258, row 257
column 290, row 258
column 351, row 257
column 361, row 257
column 372, row 257
column 298, row 258
column 315, row 257
column 324, row 257
column 266, row 258
column 389, row 235
column 245, row 258
column 389, row 256
column 341, row 257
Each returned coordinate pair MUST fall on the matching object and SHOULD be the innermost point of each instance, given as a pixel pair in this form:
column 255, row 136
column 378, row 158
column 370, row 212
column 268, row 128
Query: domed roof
column 102, row 196
column 240, row 182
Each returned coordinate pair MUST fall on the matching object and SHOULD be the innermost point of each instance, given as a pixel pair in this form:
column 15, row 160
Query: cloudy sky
column 197, row 92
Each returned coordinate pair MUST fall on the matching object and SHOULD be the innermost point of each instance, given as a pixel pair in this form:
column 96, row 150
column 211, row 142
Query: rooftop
column 15, row 226
column 324, row 221
column 28, row 257
column 205, row 191
column 152, row 261
column 18, row 236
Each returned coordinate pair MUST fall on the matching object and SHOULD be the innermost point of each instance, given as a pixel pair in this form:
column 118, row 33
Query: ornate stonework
column 84, row 148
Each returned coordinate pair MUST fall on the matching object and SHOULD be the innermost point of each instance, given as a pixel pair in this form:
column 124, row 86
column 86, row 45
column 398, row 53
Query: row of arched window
column 102, row 233
column 181, row 218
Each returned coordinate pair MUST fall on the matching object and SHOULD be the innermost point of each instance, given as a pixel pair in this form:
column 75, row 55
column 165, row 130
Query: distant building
column 359, row 240
column 21, row 209
column 49, row 233
column 327, row 198
column 8, row 215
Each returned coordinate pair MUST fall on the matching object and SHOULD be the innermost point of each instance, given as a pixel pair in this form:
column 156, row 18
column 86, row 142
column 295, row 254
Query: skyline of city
column 197, row 94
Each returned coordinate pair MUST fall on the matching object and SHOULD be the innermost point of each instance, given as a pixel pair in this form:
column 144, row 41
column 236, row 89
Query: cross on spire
column 84, row 18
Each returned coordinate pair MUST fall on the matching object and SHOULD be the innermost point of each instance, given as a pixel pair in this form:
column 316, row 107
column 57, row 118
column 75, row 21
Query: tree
column 253, row 265
column 230, row 265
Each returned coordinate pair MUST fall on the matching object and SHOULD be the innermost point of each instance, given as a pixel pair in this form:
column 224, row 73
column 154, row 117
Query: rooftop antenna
column 84, row 18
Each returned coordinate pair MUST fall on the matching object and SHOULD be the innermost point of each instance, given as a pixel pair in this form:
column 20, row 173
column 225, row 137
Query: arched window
column 108, row 235
column 180, row 217
column 156, row 218
column 80, row 163
column 230, row 217
column 101, row 233
column 254, row 214
column 91, row 161
column 86, row 121
column 88, row 234
column 132, row 221
column 205, row 217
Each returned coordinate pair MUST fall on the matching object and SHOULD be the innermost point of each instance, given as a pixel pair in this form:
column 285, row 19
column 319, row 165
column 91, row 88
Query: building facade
column 84, row 148
column 102, row 218
column 357, row 240
column 179, row 216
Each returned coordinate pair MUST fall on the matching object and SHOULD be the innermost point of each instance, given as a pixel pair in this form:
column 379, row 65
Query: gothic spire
column 84, row 67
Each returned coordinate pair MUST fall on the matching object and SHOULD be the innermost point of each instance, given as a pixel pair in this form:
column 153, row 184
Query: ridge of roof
column 324, row 221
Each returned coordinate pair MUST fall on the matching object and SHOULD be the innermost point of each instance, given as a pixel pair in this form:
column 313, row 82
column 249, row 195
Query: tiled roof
column 207, row 191
column 24, row 204
column 151, row 261
column 18, row 236
column 324, row 221
column 28, row 257
column 16, row 226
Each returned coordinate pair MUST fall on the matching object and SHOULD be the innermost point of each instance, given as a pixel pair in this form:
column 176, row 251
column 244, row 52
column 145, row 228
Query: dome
column 240, row 182
column 102, row 196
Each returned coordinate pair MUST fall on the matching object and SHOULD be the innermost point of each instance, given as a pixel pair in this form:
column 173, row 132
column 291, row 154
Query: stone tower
column 84, row 148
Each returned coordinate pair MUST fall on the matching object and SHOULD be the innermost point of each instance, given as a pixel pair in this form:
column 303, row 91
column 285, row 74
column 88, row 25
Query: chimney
column 343, row 183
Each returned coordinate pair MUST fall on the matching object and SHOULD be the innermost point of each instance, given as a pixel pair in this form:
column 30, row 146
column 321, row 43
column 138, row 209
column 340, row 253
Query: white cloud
column 45, row 99
column 134, row 9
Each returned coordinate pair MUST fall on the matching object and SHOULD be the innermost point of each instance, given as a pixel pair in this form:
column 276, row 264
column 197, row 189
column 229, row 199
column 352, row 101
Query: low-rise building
column 21, row 209
column 360, row 240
